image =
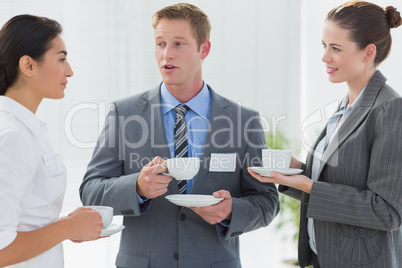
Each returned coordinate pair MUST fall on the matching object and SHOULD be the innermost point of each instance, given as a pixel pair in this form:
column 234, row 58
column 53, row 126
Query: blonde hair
column 199, row 21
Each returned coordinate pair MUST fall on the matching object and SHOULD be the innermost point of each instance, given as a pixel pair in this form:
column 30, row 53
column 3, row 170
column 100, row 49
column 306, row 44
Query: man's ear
column 26, row 66
column 205, row 48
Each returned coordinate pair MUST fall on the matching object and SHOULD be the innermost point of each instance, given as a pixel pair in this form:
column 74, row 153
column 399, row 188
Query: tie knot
column 181, row 109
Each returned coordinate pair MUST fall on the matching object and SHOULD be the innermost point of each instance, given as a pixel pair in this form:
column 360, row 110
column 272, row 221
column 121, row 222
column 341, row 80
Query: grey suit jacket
column 159, row 233
column 356, row 203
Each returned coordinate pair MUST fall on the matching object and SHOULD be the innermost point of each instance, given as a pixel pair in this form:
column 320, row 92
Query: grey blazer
column 159, row 233
column 356, row 203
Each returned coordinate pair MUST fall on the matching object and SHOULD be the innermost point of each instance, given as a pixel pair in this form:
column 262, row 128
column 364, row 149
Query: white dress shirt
column 32, row 180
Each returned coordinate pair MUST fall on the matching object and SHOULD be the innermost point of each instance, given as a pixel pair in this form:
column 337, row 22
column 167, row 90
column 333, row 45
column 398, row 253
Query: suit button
column 182, row 217
column 234, row 234
column 176, row 256
column 358, row 231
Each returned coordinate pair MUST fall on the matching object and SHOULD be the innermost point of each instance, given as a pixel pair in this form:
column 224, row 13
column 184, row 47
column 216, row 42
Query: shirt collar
column 345, row 101
column 197, row 104
column 22, row 113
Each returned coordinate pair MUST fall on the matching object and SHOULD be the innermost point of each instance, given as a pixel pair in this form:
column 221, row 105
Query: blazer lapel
column 221, row 115
column 151, row 112
column 354, row 120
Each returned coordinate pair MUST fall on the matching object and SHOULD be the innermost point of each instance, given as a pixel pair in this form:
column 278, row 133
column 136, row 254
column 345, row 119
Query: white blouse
column 32, row 180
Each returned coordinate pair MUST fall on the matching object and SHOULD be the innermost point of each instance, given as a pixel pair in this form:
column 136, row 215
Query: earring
column 365, row 60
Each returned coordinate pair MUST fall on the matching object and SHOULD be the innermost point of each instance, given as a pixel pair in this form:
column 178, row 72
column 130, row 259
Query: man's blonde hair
column 199, row 21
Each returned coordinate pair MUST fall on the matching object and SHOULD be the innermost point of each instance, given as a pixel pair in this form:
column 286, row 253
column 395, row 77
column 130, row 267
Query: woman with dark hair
column 33, row 66
column 350, row 193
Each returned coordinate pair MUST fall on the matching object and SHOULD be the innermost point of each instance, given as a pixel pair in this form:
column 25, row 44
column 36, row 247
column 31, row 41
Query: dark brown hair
column 368, row 23
column 23, row 35
column 197, row 18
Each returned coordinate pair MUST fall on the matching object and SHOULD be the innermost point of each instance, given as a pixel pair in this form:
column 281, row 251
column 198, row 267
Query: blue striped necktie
column 181, row 139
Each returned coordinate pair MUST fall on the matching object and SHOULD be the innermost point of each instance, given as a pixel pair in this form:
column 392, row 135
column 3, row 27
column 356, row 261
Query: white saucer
column 193, row 200
column 111, row 230
column 266, row 172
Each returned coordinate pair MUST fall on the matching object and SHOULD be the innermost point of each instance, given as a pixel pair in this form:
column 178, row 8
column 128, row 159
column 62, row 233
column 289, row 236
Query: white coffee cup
column 106, row 214
column 183, row 168
column 276, row 159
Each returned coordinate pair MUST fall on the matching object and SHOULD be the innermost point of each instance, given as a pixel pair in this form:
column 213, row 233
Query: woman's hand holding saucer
column 300, row 182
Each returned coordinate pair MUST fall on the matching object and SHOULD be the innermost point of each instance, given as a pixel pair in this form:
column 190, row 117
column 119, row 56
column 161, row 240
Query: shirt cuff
column 141, row 200
column 223, row 227
column 225, row 223
column 143, row 203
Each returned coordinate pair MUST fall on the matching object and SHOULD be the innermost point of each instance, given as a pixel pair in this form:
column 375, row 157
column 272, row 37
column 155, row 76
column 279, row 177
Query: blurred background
column 265, row 54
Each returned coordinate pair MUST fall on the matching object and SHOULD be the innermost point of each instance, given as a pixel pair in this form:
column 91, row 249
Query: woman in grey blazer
column 350, row 192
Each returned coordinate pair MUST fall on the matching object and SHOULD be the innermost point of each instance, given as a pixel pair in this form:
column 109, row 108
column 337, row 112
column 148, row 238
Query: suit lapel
column 223, row 124
column 151, row 112
column 355, row 118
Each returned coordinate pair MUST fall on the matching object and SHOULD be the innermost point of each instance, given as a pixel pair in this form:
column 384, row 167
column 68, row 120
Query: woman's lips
column 331, row 70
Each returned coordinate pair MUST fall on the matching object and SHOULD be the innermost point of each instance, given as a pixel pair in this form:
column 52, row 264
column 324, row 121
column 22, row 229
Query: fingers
column 155, row 169
column 278, row 176
column 216, row 213
column 252, row 173
column 206, row 214
column 261, row 178
column 157, row 160
column 154, row 174
column 153, row 186
column 300, row 182
column 85, row 224
column 151, row 183
column 211, row 214
column 222, row 194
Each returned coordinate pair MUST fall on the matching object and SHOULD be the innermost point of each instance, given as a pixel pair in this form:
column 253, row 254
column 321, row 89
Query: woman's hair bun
column 393, row 16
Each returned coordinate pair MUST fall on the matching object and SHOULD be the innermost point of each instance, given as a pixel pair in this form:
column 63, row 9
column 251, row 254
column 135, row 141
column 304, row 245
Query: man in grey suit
column 127, row 168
